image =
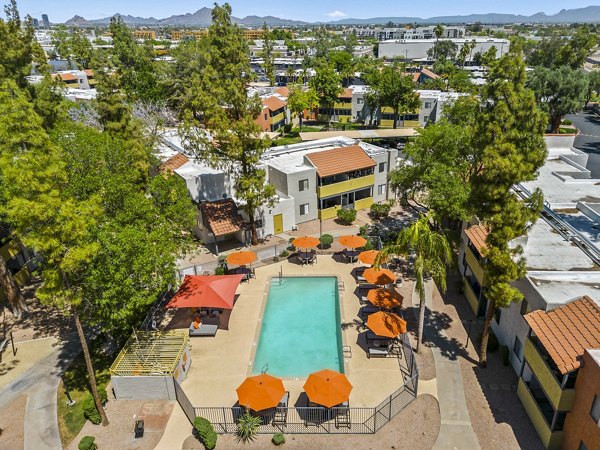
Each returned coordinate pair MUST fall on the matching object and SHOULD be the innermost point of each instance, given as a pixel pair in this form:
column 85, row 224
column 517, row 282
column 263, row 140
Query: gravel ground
column 497, row 415
column 415, row 428
column 122, row 415
column 11, row 424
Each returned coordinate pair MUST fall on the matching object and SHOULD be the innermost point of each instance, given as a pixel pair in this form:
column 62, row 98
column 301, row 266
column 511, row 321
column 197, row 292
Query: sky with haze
column 307, row 10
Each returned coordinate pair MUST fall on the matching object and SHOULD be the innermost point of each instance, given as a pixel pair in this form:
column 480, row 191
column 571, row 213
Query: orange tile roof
column 67, row 76
column 273, row 103
column 89, row 72
column 173, row 163
column 429, row 73
column 340, row 160
column 416, row 76
column 222, row 217
column 477, row 235
column 565, row 332
column 346, row 94
column 283, row 90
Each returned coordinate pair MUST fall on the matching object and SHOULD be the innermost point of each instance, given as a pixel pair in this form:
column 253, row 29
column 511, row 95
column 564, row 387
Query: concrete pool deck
column 221, row 363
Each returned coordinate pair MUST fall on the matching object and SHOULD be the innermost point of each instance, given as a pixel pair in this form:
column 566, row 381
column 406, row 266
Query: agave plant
column 247, row 427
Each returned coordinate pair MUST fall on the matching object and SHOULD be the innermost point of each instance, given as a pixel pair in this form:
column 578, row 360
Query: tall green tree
column 509, row 133
column 433, row 256
column 327, row 84
column 301, row 100
column 555, row 51
column 593, row 78
column 397, row 91
column 268, row 56
column 558, row 91
column 222, row 128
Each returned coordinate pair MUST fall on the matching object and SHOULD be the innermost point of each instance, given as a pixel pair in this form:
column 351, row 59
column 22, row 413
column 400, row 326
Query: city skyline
column 309, row 11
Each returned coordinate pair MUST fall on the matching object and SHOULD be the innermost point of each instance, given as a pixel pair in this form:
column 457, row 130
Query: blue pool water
column 300, row 331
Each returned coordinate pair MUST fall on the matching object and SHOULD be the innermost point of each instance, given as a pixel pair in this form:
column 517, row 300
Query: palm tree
column 433, row 255
column 438, row 31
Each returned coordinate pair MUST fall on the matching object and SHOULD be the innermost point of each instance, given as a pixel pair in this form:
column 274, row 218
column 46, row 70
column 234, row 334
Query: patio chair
column 366, row 310
column 363, row 300
column 281, row 410
column 342, row 416
column 378, row 352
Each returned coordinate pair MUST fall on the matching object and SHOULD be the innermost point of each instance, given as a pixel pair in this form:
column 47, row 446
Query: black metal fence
column 309, row 420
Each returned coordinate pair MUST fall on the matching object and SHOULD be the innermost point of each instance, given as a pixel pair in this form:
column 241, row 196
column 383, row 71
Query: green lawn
column 70, row 418
column 287, row 140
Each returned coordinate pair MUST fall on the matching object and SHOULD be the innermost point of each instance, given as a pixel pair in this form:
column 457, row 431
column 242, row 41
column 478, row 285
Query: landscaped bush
column 326, row 241
column 220, row 270
column 89, row 406
column 278, row 439
column 380, row 210
column 346, row 216
column 206, row 432
column 567, row 122
column 284, row 254
column 364, row 230
column 87, row 443
column 247, row 427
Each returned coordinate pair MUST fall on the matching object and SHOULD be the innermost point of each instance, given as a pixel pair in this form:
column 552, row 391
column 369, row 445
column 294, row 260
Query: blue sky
column 308, row 10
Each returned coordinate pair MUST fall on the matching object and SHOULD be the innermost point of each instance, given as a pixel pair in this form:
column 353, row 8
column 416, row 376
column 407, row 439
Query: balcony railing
column 345, row 186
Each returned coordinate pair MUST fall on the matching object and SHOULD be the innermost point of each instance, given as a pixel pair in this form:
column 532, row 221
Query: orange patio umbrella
column 386, row 324
column 241, row 258
column 305, row 242
column 385, row 298
column 260, row 392
column 368, row 257
column 352, row 241
column 328, row 388
column 380, row 276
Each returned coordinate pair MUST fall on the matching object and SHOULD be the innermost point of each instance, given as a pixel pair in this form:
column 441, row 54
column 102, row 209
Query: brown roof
column 89, row 72
column 567, row 331
column 67, row 76
column 273, row 103
column 283, row 90
column 221, row 216
column 429, row 73
column 346, row 94
column 173, row 163
column 340, row 160
column 477, row 235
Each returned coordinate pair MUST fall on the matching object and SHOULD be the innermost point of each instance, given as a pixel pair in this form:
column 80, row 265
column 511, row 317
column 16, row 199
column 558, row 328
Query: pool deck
column 221, row 363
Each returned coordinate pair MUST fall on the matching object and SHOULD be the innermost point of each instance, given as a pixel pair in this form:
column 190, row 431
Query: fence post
column 390, row 409
column 224, row 419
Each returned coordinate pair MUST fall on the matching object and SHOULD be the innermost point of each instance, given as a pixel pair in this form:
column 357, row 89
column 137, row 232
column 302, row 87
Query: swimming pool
column 300, row 331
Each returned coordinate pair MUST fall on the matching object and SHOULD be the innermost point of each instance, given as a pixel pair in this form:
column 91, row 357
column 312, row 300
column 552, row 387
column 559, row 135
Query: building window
column 427, row 105
column 517, row 348
column 303, row 185
column 304, row 209
column 524, row 306
column 381, row 167
column 381, row 189
column 595, row 412
column 497, row 315
column 266, row 117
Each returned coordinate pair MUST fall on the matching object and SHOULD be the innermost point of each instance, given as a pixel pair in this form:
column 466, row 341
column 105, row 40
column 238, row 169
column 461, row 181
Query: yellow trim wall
column 551, row 441
column 345, row 186
column 278, row 118
column 330, row 213
column 475, row 266
column 470, row 296
column 561, row 400
column 363, row 203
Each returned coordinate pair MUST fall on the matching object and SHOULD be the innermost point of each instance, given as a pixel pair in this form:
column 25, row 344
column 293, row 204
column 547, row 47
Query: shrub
column 247, row 427
column 278, row 439
column 287, row 128
column 90, row 412
column 346, row 216
column 368, row 246
column 504, row 354
column 284, row 254
column 206, row 432
column 87, row 443
column 220, row 270
column 567, row 122
column 326, row 240
column 364, row 230
column 380, row 210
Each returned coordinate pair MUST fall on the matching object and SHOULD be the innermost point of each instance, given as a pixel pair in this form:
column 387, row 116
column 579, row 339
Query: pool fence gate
column 316, row 420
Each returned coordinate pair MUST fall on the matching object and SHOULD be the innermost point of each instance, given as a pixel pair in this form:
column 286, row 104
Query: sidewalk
column 456, row 431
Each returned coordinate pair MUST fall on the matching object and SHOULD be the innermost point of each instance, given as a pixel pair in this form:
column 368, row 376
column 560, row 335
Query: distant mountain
column 201, row 18
column 590, row 14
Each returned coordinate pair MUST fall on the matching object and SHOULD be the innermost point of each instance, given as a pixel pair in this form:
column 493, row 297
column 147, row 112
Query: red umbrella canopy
column 206, row 291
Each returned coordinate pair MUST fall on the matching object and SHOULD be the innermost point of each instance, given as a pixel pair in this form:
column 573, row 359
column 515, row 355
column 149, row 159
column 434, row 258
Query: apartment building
column 144, row 34
column 178, row 35
column 559, row 396
column 252, row 34
column 416, row 49
column 275, row 113
column 387, row 33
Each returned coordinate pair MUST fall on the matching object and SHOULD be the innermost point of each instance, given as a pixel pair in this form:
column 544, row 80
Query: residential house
column 549, row 381
column 275, row 113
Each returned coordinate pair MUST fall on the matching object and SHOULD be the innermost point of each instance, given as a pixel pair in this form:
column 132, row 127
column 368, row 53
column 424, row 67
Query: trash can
column 138, row 430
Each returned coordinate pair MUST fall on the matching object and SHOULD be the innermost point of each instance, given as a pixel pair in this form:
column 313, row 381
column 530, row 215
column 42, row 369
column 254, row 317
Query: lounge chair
column 342, row 416
column 281, row 410
column 208, row 327
column 378, row 352
column 366, row 310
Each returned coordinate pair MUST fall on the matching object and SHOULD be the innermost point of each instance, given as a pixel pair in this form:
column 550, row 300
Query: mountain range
column 202, row 18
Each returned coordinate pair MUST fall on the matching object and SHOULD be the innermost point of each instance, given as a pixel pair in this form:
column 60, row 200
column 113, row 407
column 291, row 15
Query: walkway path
column 40, row 384
column 456, row 431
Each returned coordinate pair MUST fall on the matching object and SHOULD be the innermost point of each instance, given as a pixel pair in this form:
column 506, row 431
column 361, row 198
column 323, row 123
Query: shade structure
column 385, row 298
column 241, row 258
column 328, row 388
column 368, row 257
column 306, row 242
column 206, row 291
column 260, row 392
column 352, row 241
column 386, row 324
column 380, row 276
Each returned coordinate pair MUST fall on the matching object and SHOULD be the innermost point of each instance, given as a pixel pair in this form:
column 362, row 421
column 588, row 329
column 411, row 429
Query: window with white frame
column 381, row 167
column 304, row 209
column 303, row 185
column 381, row 189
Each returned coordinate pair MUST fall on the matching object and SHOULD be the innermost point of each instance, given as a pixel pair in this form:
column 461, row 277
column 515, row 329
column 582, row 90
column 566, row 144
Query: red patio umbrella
column 206, row 291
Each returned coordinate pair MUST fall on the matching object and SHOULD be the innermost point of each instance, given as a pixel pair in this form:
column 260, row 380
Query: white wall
column 417, row 48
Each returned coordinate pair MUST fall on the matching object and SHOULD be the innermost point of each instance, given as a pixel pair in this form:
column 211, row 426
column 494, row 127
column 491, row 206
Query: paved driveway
column 588, row 139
